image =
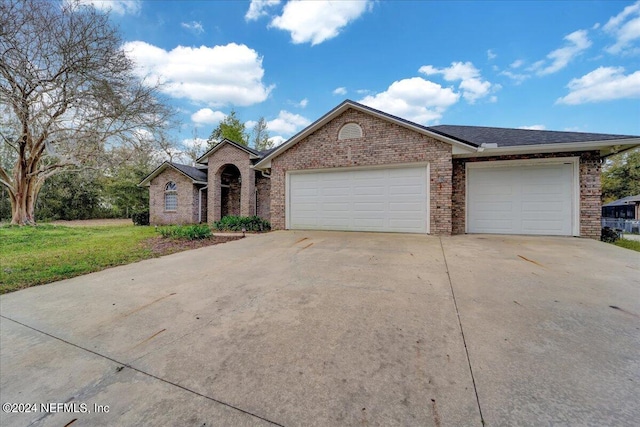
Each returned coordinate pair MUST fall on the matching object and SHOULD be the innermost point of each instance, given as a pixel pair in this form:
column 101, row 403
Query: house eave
column 606, row 148
column 204, row 159
column 147, row 181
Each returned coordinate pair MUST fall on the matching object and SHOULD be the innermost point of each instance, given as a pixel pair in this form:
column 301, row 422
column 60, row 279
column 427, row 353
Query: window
column 350, row 131
column 171, row 196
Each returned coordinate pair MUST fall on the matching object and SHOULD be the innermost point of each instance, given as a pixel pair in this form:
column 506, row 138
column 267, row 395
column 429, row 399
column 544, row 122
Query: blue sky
column 556, row 65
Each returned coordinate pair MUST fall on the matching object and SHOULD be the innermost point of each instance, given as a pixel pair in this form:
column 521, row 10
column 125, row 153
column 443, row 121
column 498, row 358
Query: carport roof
column 624, row 201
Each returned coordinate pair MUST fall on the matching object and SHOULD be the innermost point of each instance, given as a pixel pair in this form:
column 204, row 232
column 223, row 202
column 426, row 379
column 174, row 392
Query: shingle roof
column 233, row 143
column 193, row 173
column 505, row 137
column 624, row 201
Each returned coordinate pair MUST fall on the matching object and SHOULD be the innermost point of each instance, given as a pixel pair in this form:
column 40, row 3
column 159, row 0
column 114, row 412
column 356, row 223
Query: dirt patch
column 164, row 246
column 94, row 222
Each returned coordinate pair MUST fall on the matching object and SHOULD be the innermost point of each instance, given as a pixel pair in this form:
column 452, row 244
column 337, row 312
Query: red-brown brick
column 383, row 143
column 188, row 203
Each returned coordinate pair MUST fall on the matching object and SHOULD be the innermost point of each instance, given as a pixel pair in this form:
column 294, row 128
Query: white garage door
column 521, row 199
column 360, row 200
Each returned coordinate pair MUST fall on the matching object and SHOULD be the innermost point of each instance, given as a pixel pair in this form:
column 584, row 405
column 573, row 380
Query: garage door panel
column 368, row 200
column 404, row 189
column 527, row 199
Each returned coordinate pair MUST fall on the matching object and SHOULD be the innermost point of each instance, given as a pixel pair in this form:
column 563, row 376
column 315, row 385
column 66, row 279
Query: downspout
column 200, row 203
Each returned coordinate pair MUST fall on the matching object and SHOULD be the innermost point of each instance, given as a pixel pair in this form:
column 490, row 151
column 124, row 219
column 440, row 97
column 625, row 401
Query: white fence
column 626, row 225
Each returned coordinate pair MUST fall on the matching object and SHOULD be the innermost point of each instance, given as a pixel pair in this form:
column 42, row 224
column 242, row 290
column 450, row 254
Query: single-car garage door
column 393, row 199
column 523, row 199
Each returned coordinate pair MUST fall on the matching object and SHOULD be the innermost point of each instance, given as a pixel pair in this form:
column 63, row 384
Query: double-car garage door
column 391, row 199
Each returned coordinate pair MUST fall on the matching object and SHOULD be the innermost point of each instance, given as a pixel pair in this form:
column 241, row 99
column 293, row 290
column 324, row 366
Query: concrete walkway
column 326, row 328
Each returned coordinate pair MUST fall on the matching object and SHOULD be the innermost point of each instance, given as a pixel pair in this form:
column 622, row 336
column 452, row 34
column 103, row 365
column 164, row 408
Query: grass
column 35, row 255
column 634, row 245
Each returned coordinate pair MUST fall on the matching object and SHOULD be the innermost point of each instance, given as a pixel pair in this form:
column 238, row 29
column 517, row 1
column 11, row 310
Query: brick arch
column 217, row 162
column 230, row 189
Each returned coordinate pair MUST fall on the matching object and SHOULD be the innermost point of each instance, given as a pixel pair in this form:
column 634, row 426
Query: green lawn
column 35, row 255
column 634, row 245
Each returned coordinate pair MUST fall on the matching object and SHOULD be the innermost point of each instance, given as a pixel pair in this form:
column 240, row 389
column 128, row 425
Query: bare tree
column 260, row 136
column 68, row 94
column 195, row 147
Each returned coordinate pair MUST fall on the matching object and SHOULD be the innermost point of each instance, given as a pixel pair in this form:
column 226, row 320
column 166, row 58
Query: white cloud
column 302, row 104
column 218, row 75
column 207, row 116
column 287, row 123
column 340, row 91
column 277, row 140
column 120, row 7
column 471, row 83
column 194, row 142
column 194, row 26
column 516, row 77
column 625, row 27
column 416, row 99
column 517, row 63
column 578, row 42
column 258, row 9
column 316, row 21
column 533, row 127
column 491, row 55
column 602, row 84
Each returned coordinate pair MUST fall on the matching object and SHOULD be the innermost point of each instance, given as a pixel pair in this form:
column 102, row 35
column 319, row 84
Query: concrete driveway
column 327, row 328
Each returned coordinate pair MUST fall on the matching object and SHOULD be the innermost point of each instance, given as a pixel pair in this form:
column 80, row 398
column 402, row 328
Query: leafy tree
column 260, row 136
column 231, row 128
column 67, row 91
column 71, row 195
column 128, row 167
column 621, row 176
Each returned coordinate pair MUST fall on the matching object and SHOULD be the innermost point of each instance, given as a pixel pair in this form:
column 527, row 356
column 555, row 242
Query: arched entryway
column 230, row 189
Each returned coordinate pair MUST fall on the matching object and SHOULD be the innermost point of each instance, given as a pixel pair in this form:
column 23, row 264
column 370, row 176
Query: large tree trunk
column 23, row 199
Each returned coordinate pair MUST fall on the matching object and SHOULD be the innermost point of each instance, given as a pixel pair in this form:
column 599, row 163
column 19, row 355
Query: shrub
column 609, row 235
column 237, row 223
column 140, row 218
column 189, row 232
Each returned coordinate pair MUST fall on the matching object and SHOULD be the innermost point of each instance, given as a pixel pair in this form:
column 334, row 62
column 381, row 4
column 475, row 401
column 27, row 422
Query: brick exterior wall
column 263, row 186
column 229, row 154
column 589, row 178
column 383, row 143
column 590, row 192
column 187, row 211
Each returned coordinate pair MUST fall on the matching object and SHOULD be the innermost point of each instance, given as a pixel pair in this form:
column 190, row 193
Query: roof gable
column 253, row 154
column 197, row 176
column 266, row 161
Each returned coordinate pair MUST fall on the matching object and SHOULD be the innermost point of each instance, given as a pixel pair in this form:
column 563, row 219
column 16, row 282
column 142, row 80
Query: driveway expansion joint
column 466, row 349
column 122, row 365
